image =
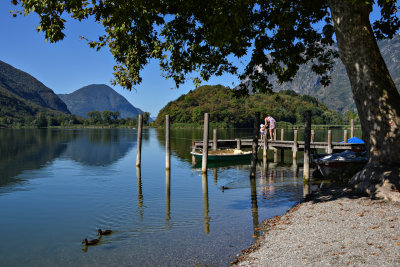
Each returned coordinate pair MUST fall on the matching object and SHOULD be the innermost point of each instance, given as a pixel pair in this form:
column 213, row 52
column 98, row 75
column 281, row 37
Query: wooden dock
column 278, row 144
column 275, row 145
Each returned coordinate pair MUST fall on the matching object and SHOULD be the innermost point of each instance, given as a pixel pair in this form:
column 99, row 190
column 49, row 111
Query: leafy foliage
column 227, row 110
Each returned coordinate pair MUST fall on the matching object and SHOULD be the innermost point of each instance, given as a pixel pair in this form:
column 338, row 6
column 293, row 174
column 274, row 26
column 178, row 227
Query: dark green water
column 58, row 187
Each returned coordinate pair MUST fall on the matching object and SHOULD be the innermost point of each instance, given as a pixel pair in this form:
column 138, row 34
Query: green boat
column 225, row 155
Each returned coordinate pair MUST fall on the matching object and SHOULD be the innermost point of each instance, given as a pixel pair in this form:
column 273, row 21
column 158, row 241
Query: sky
column 70, row 64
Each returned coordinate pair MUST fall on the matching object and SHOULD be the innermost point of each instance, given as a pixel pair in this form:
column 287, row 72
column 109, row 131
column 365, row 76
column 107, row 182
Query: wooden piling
column 139, row 141
column 193, row 150
column 345, row 136
column 352, row 129
column 307, row 141
column 282, row 150
column 254, row 145
column 167, row 144
column 205, row 145
column 329, row 148
column 312, row 136
column 265, row 148
column 275, row 155
column 294, row 148
column 214, row 139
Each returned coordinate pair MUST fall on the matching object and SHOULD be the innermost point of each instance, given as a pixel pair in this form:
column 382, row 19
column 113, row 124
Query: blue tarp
column 354, row 140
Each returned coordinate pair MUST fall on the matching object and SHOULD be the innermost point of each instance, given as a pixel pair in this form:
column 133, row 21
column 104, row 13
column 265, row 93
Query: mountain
column 19, row 86
column 228, row 111
column 338, row 94
column 98, row 97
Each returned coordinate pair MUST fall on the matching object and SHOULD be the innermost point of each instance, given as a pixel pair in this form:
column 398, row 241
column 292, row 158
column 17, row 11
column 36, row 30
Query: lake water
column 58, row 187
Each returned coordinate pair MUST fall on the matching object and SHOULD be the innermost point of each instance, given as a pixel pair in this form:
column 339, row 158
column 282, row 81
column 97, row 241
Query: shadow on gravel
column 333, row 192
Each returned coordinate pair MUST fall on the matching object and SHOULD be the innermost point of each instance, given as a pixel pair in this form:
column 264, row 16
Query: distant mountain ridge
column 19, row 87
column 338, row 94
column 98, row 97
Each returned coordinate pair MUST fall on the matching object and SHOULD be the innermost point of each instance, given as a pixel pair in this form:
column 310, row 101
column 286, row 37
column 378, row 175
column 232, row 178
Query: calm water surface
column 58, row 187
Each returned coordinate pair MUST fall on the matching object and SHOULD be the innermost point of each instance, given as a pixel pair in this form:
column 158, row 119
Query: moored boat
column 341, row 166
column 224, row 155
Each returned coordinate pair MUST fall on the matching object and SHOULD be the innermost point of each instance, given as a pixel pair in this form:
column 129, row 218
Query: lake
column 58, row 187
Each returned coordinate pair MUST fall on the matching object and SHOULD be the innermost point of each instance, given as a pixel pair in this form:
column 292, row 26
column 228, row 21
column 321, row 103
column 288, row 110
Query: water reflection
column 23, row 150
column 140, row 206
column 32, row 149
column 99, row 147
column 206, row 218
column 254, row 206
column 168, row 194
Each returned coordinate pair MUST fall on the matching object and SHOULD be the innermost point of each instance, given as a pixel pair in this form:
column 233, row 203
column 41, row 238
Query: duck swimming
column 91, row 242
column 105, row 232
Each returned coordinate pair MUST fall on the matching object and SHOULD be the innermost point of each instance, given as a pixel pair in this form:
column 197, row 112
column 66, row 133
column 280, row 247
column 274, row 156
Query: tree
column 204, row 36
column 115, row 115
column 106, row 115
column 146, row 118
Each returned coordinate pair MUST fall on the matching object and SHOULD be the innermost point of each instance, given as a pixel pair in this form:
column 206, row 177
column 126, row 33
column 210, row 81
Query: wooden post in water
column 307, row 141
column 345, row 136
column 352, row 128
column 312, row 136
column 282, row 150
column 265, row 147
column 294, row 148
column 329, row 148
column 205, row 145
column 193, row 150
column 214, row 139
column 254, row 144
column 167, row 144
column 275, row 155
column 139, row 141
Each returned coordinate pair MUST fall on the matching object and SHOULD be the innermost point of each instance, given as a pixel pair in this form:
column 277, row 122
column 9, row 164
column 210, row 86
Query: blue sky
column 70, row 64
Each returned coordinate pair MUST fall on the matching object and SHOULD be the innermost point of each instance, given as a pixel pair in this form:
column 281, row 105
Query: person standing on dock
column 271, row 125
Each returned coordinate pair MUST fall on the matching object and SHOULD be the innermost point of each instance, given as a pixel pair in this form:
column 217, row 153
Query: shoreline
column 330, row 228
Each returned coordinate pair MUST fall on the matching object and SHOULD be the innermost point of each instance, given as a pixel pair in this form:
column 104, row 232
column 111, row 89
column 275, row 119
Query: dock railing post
column 345, row 136
column 139, row 141
column 205, row 145
column 238, row 143
column 294, row 148
column 254, row 144
column 167, row 144
column 352, row 129
column 329, row 148
column 307, row 140
column 312, row 136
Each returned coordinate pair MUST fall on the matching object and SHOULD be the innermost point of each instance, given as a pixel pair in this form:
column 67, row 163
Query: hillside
column 15, row 108
column 98, row 97
column 16, row 83
column 224, row 108
column 338, row 94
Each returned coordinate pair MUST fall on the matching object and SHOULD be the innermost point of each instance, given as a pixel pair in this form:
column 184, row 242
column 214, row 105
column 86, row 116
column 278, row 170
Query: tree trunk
column 376, row 98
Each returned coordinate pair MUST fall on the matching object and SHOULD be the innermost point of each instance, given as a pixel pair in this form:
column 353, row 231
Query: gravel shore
column 333, row 228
